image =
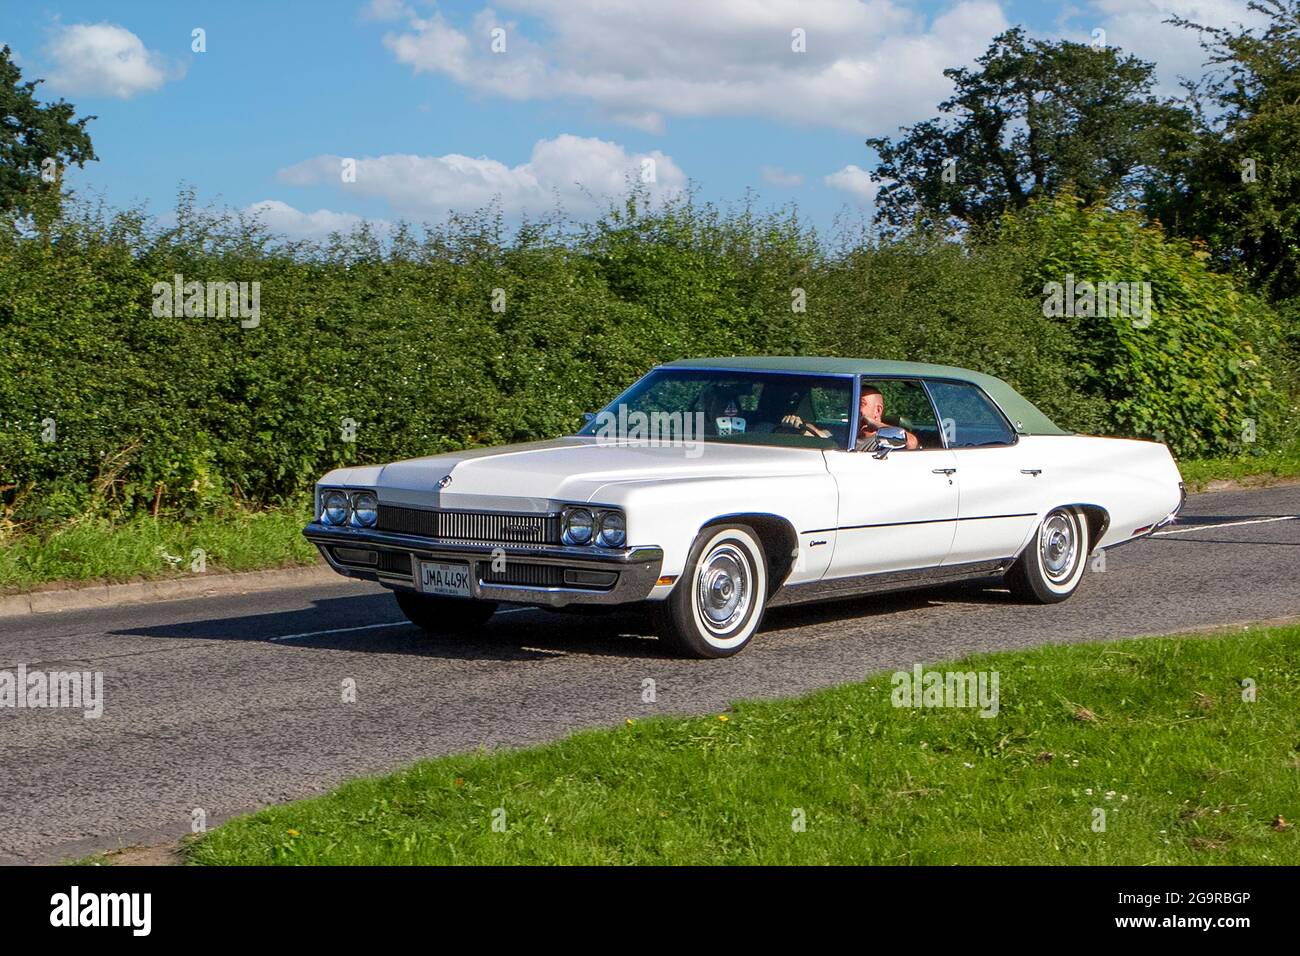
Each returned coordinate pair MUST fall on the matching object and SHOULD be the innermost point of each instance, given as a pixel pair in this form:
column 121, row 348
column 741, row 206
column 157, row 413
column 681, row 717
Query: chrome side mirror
column 889, row 438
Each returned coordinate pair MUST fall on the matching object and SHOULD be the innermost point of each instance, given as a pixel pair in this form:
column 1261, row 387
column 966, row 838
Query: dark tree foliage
column 32, row 132
column 1033, row 117
column 1237, row 185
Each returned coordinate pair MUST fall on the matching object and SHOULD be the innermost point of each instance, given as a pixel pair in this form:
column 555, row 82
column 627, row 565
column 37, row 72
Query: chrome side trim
column 855, row 414
column 881, row 582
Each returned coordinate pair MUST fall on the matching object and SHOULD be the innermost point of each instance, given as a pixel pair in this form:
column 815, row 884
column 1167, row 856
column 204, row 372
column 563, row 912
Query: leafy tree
column 1188, row 358
column 1033, row 117
column 30, row 134
column 1237, row 184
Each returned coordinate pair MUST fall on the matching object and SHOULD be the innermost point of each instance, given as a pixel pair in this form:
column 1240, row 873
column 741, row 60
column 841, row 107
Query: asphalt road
column 231, row 703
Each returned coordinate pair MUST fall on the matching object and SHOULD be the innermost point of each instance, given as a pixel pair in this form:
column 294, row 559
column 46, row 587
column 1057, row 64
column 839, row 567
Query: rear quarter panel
column 1136, row 482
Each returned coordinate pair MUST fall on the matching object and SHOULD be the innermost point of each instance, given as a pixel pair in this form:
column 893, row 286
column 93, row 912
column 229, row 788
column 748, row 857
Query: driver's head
column 871, row 406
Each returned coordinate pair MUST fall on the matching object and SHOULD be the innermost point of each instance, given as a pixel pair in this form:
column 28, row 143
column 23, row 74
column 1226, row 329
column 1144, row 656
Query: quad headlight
column 578, row 526
column 357, row 509
column 613, row 530
column 334, row 507
column 584, row 526
column 365, row 509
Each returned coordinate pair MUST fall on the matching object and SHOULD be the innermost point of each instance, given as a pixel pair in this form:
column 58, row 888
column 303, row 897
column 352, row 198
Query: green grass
column 101, row 550
column 1276, row 464
column 1186, row 770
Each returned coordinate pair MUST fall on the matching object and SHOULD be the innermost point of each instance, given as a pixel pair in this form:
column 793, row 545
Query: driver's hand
column 794, row 421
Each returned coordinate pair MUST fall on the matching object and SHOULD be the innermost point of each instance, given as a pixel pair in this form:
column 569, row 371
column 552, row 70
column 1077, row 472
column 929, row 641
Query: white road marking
column 367, row 627
column 337, row 630
column 1226, row 524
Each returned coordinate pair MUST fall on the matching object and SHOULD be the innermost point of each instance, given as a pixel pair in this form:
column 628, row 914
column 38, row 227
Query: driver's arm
column 913, row 443
column 794, row 421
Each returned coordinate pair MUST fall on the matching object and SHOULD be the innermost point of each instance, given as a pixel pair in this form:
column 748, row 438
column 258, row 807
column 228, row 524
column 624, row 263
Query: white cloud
column 103, row 59
column 581, row 173
column 386, row 10
column 869, row 65
column 855, row 181
column 1139, row 27
column 776, row 176
column 285, row 220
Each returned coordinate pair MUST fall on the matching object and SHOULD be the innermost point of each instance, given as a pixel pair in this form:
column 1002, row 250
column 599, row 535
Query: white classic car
column 715, row 488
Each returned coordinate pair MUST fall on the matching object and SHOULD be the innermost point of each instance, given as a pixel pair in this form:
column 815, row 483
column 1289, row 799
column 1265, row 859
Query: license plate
column 451, row 580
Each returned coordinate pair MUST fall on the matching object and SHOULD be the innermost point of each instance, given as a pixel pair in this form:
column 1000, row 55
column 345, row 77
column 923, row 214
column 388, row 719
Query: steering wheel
column 781, row 428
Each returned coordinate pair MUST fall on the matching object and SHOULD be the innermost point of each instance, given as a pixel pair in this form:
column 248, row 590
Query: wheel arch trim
column 778, row 536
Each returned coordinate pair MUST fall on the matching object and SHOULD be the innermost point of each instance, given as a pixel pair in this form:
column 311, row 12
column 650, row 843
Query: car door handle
column 944, row 471
column 1031, row 471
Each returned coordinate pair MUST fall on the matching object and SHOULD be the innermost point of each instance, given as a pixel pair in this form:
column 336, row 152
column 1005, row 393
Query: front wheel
column 1052, row 564
column 718, row 602
column 444, row 615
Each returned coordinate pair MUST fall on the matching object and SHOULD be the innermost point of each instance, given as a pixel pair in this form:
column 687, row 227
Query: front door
column 899, row 512
column 896, row 513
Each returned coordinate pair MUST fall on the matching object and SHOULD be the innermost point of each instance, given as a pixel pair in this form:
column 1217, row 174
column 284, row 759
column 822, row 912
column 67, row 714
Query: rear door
column 997, row 477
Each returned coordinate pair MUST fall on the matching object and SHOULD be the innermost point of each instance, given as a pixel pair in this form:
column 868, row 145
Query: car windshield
column 757, row 408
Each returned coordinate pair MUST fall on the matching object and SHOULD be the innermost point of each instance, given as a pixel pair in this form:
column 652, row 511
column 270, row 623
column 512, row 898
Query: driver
column 871, row 412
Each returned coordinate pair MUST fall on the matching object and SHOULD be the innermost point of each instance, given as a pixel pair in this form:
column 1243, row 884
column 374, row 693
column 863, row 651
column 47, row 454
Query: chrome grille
column 395, row 562
column 534, row 575
column 480, row 526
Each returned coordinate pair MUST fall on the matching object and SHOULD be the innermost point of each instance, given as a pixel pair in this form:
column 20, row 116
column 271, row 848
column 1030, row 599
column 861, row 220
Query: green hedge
column 402, row 338
column 1201, row 369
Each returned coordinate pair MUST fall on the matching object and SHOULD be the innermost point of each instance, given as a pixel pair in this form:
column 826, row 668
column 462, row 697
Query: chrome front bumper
column 634, row 570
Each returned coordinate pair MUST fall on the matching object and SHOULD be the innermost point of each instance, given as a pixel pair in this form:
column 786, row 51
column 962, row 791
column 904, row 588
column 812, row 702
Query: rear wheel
column 718, row 602
column 1052, row 564
column 444, row 615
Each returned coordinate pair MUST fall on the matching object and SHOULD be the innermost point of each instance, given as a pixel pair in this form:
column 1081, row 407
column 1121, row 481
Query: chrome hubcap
column 1056, row 545
column 722, row 588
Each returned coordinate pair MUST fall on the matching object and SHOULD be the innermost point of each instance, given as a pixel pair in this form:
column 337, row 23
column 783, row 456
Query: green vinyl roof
column 1024, row 415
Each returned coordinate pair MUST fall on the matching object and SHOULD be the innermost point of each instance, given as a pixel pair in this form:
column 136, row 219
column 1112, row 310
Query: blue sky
column 582, row 94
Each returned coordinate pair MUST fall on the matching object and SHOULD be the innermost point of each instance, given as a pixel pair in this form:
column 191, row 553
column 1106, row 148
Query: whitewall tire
column 1052, row 565
column 717, row 604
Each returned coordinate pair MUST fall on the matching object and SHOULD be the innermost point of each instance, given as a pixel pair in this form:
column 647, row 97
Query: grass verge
column 1277, row 464
column 146, row 548
column 1154, row 733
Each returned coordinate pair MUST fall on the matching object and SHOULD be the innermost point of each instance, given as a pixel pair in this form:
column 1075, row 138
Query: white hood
column 537, row 474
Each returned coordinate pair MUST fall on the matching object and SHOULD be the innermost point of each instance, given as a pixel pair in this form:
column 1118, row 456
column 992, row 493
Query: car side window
column 968, row 417
column 907, row 406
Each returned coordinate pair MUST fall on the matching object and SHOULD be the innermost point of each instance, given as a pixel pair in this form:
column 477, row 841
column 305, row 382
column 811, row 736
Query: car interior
column 907, row 406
